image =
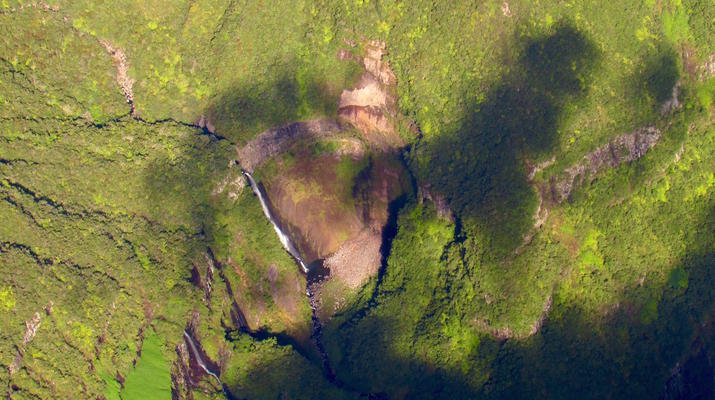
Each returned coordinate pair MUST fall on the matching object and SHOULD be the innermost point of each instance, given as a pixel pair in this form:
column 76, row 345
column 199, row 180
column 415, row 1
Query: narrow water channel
column 313, row 274
column 282, row 236
column 198, row 358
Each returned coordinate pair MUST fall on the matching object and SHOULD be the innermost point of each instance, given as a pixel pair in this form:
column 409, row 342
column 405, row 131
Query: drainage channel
column 314, row 274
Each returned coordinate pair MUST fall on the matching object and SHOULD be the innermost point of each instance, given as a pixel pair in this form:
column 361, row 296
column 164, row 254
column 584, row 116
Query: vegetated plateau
column 493, row 199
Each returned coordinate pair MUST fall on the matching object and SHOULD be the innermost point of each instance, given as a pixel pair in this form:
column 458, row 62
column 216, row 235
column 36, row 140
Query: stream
column 198, row 358
column 282, row 236
column 312, row 274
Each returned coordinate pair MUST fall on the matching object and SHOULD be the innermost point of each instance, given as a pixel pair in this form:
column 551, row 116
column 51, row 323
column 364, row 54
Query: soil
column 370, row 106
column 124, row 81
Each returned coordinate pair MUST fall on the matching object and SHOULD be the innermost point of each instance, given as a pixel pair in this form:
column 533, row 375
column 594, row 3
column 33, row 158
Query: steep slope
column 512, row 199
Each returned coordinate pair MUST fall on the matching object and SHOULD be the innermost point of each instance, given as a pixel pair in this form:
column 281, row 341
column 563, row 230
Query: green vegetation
column 265, row 370
column 150, row 379
column 124, row 224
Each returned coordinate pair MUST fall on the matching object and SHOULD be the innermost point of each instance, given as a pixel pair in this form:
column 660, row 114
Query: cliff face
column 551, row 233
column 331, row 183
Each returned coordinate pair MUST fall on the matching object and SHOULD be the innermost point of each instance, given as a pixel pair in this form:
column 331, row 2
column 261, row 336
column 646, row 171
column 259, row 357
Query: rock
column 357, row 259
column 622, row 149
column 277, row 140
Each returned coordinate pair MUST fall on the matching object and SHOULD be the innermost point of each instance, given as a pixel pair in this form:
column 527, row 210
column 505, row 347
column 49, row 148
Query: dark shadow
column 623, row 355
column 659, row 74
column 181, row 187
column 271, row 371
column 388, row 350
column 390, row 231
column 282, row 95
column 480, row 167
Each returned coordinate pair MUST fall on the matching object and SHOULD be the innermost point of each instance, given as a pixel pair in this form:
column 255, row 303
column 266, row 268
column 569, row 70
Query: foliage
column 111, row 222
column 150, row 379
column 265, row 370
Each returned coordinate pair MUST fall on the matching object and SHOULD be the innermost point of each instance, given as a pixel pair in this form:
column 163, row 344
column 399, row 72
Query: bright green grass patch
column 112, row 390
column 150, row 379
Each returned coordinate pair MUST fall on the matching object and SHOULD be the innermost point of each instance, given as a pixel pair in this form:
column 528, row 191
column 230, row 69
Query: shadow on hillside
column 635, row 351
column 279, row 96
column 657, row 75
column 189, row 187
column 181, row 182
column 480, row 168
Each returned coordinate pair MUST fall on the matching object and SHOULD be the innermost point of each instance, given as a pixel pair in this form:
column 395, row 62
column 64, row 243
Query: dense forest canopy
column 496, row 199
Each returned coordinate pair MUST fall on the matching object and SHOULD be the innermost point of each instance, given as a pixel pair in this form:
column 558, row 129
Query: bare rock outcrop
column 277, row 140
column 370, row 105
column 622, row 149
column 125, row 82
column 31, row 327
column 440, row 202
column 232, row 184
column 357, row 259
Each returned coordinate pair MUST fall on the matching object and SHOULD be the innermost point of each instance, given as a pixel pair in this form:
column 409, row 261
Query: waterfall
column 282, row 236
column 198, row 358
column 290, row 248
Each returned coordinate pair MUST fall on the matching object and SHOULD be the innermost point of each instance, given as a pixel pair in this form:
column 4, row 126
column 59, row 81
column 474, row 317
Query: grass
column 104, row 217
column 150, row 379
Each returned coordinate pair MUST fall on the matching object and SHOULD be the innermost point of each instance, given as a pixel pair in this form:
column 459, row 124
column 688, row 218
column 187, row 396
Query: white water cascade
column 290, row 248
column 282, row 236
column 198, row 358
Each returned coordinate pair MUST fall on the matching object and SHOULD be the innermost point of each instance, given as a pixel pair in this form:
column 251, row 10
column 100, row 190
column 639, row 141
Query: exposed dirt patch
column 367, row 93
column 370, row 106
column 123, row 79
column 31, row 327
column 375, row 64
column 374, row 124
column 332, row 191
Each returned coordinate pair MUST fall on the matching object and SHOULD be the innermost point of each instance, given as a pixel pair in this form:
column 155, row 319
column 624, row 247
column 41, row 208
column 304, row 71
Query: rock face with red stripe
column 370, row 106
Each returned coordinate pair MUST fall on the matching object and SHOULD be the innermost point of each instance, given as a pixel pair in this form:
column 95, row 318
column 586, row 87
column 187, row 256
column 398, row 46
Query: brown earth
column 335, row 204
column 323, row 208
column 312, row 206
column 124, row 81
column 370, row 106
